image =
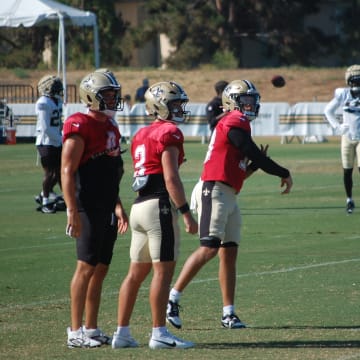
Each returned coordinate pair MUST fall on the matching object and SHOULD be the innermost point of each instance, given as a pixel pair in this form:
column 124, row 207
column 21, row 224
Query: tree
column 348, row 18
column 200, row 28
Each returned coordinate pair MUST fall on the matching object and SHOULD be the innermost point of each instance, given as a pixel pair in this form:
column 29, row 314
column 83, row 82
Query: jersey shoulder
column 236, row 119
column 76, row 123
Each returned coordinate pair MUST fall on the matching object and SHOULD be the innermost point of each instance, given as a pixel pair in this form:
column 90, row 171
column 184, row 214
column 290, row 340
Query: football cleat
column 38, row 199
column 119, row 341
column 350, row 206
column 48, row 209
column 77, row 339
column 231, row 321
column 169, row 341
column 172, row 314
column 98, row 335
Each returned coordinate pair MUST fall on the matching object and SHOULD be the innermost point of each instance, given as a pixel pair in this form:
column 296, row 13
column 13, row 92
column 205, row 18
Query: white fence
column 275, row 119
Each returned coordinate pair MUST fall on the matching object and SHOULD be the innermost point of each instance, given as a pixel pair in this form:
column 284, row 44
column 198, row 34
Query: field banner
column 267, row 122
column 275, row 119
column 305, row 119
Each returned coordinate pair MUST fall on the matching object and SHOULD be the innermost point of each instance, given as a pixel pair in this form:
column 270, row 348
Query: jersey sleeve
column 332, row 106
column 172, row 137
column 74, row 125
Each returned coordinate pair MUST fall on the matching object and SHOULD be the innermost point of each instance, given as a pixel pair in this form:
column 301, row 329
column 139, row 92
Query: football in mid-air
column 278, row 81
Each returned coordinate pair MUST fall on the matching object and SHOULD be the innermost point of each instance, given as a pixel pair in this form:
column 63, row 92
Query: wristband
column 184, row 209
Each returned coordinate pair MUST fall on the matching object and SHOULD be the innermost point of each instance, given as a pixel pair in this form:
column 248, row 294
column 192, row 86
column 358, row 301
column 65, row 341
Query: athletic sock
column 174, row 295
column 123, row 330
column 228, row 309
column 158, row 331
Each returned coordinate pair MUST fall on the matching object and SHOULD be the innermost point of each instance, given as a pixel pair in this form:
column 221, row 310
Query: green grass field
column 298, row 267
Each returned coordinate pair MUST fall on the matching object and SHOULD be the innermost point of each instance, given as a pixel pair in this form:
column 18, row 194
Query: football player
column 214, row 109
column 225, row 168
column 91, row 170
column 48, row 109
column 349, row 99
column 157, row 152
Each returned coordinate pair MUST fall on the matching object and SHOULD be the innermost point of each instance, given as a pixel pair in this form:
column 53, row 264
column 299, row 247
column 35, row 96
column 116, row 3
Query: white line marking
column 111, row 293
column 296, row 268
column 41, row 246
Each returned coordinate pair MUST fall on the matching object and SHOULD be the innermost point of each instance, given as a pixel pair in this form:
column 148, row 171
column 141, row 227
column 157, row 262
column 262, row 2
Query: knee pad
column 211, row 242
column 229, row 244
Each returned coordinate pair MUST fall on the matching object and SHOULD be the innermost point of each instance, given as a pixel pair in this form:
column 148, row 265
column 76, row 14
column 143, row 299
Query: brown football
column 278, row 81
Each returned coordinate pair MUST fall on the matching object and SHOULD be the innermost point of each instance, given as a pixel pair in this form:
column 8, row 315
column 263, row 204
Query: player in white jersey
column 48, row 142
column 349, row 99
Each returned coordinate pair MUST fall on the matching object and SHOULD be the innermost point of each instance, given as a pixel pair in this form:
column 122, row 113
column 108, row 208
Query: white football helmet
column 162, row 100
column 239, row 95
column 93, row 84
column 352, row 79
column 51, row 86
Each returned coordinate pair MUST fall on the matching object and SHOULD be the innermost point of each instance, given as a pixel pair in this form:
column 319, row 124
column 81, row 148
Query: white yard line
column 261, row 273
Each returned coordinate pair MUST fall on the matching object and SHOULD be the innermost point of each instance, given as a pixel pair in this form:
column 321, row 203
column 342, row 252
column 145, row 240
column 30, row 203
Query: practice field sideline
column 298, row 267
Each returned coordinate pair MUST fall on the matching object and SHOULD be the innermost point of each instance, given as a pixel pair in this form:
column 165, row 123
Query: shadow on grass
column 306, row 327
column 283, row 344
column 288, row 344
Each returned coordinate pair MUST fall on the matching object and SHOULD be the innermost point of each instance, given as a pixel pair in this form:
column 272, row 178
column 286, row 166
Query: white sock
column 78, row 331
column 159, row 331
column 174, row 295
column 45, row 201
column 228, row 309
column 348, row 200
column 123, row 330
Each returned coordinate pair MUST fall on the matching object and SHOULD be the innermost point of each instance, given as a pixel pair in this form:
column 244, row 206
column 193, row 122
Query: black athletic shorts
column 50, row 156
column 98, row 236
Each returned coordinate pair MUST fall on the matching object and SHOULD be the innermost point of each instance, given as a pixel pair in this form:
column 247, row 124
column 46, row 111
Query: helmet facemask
column 354, row 83
column 177, row 111
column 108, row 102
column 247, row 104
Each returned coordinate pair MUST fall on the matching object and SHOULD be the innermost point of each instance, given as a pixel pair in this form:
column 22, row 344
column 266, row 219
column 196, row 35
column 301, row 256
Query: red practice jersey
column 101, row 166
column 100, row 137
column 149, row 143
column 225, row 162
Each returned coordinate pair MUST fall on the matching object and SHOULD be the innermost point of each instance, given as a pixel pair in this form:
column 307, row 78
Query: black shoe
column 172, row 314
column 232, row 322
column 60, row 205
column 38, row 199
column 350, row 206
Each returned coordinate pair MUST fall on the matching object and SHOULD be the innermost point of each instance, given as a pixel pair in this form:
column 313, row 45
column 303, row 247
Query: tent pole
column 63, row 54
column 96, row 45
